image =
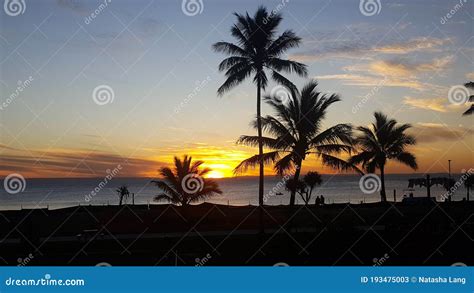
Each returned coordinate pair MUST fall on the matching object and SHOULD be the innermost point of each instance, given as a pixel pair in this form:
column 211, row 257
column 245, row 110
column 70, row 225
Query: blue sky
column 155, row 57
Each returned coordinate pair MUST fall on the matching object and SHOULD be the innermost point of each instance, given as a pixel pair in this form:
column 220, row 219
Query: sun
column 215, row 174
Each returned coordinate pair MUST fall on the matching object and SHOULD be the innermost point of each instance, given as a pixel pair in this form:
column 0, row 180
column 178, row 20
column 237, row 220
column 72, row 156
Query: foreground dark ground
column 207, row 234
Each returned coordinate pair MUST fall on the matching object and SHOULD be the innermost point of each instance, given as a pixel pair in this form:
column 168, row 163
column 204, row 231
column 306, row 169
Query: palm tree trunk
column 383, row 195
column 260, row 145
column 296, row 177
column 260, row 153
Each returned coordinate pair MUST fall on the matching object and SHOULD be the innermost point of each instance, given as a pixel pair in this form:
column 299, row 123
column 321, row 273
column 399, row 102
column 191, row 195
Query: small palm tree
column 470, row 111
column 185, row 184
column 384, row 140
column 305, row 187
column 298, row 186
column 312, row 179
column 258, row 50
column 296, row 131
column 123, row 194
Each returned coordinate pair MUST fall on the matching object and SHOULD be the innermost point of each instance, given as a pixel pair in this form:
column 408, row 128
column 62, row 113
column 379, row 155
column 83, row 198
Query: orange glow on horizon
column 215, row 174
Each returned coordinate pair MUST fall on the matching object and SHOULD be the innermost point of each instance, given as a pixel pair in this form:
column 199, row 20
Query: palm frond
column 469, row 111
column 165, row 197
column 249, row 140
column 337, row 163
column 253, row 161
column 229, row 48
column 407, row 159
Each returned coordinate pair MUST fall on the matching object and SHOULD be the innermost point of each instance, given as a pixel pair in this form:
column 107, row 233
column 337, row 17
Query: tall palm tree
column 296, row 131
column 258, row 51
column 384, row 140
column 470, row 111
column 185, row 183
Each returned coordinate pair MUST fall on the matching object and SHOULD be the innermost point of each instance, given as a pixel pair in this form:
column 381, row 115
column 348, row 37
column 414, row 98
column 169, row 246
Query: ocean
column 58, row 193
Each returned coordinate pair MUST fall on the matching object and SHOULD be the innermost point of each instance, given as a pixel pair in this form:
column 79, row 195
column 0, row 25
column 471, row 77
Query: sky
column 154, row 65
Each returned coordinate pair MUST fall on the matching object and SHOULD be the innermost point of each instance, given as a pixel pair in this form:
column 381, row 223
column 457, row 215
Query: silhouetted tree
column 257, row 51
column 312, row 179
column 384, row 140
column 296, row 131
column 123, row 194
column 185, row 183
column 304, row 187
column 470, row 85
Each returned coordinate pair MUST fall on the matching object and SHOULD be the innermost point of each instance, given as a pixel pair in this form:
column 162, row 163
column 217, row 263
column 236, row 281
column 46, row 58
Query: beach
column 208, row 234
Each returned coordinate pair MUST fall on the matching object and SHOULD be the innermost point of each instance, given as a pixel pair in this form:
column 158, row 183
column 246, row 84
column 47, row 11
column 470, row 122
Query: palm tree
column 122, row 193
column 470, row 111
column 298, row 186
column 257, row 51
column 312, row 179
column 305, row 187
column 296, row 131
column 384, row 140
column 185, row 184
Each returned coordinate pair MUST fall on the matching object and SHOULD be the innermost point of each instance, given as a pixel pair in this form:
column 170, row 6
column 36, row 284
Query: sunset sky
column 163, row 73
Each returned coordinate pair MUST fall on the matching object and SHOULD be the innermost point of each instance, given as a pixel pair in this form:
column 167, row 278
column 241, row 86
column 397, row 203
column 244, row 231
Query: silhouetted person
column 411, row 194
column 317, row 202
column 322, row 199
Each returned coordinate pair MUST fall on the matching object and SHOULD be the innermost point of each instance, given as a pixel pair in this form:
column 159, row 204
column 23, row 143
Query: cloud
column 74, row 5
column 434, row 132
column 5, row 147
column 404, row 67
column 417, row 44
column 439, row 104
column 80, row 163
column 435, row 104
column 392, row 73
column 362, row 48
